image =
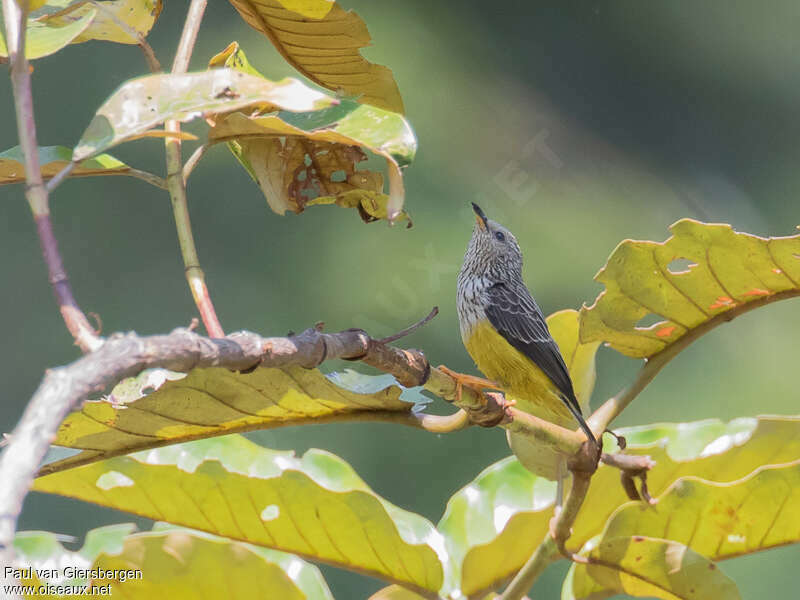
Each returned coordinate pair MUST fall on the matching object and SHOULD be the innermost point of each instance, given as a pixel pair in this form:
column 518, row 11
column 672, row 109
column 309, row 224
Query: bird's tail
column 576, row 412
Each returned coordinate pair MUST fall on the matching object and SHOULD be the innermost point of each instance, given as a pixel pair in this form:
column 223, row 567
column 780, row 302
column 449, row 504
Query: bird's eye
column 499, row 236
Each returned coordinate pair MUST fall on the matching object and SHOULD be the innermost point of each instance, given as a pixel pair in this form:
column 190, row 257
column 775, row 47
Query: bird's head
column 493, row 250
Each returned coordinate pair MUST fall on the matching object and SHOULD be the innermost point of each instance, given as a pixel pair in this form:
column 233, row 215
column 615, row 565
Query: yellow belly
column 519, row 377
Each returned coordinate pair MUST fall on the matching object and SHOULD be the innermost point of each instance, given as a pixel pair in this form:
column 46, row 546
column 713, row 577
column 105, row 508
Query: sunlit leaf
column 144, row 103
column 717, row 520
column 395, row 592
column 54, row 158
column 43, row 38
column 478, row 513
column 579, row 357
column 703, row 275
column 173, row 562
column 721, row 520
column 653, row 568
column 305, row 159
column 323, row 41
column 160, row 407
column 497, row 521
column 315, row 506
column 138, row 15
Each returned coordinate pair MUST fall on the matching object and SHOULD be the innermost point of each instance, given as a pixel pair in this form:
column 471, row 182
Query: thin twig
column 177, row 188
column 193, row 160
column 147, row 50
column 411, row 329
column 35, row 190
column 56, row 180
column 553, row 545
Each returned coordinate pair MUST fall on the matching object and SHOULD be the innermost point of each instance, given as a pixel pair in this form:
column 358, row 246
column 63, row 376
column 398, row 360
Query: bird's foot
column 478, row 384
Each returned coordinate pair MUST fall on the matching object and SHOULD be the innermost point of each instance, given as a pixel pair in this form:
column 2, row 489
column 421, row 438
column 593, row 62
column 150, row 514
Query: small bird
column 506, row 335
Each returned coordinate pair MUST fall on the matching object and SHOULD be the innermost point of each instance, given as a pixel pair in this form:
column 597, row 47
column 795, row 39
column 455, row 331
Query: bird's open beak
column 480, row 218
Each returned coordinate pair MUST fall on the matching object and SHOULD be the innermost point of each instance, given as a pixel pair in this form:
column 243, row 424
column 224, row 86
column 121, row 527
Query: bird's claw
column 477, row 384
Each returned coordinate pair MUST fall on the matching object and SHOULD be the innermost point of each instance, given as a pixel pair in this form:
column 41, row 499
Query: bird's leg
column 471, row 381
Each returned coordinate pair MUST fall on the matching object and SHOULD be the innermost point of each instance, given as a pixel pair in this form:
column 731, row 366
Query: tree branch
column 35, row 190
column 177, row 186
column 64, row 388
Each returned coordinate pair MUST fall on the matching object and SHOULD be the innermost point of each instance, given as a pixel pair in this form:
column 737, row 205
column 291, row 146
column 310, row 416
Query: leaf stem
column 613, row 407
column 191, row 163
column 177, row 188
column 147, row 49
column 35, row 190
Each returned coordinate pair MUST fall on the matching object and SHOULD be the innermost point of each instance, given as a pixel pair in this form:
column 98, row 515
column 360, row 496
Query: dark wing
column 516, row 316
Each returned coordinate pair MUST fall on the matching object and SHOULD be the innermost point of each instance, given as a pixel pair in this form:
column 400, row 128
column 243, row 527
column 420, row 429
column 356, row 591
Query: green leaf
column 54, row 158
column 174, row 563
column 159, row 407
column 323, row 41
column 138, row 15
column 580, row 360
column 729, row 273
column 653, row 568
column 497, row 521
column 145, row 102
column 309, row 158
column 43, row 38
column 315, row 506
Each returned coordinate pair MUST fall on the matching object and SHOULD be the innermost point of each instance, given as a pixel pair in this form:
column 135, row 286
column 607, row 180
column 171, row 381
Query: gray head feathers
column 493, row 251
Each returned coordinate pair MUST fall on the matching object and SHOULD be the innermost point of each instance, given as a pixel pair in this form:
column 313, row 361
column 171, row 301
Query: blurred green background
column 578, row 124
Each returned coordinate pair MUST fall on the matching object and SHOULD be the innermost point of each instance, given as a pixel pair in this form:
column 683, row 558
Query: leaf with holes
column 494, row 524
column 311, row 158
column 323, row 41
column 315, row 506
column 54, row 158
column 174, row 563
column 654, row 568
column 139, row 16
column 728, row 273
column 143, row 103
column 580, row 361
column 160, row 407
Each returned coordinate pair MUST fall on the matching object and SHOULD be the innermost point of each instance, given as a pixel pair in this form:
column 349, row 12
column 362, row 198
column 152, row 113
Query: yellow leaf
column 159, row 407
column 654, row 568
column 315, row 506
column 138, row 16
column 322, row 41
column 727, row 273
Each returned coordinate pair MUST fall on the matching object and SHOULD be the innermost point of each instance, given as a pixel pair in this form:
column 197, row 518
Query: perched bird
column 505, row 332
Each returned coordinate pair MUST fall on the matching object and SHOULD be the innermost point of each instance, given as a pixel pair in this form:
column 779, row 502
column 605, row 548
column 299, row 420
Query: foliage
column 161, row 444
